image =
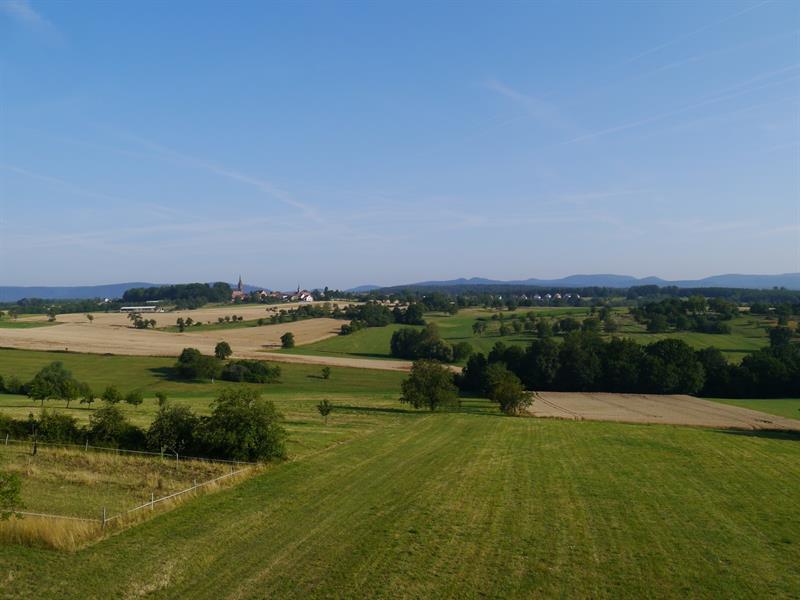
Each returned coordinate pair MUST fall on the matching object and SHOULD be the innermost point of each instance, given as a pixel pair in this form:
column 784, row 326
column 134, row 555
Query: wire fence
column 121, row 451
column 242, row 466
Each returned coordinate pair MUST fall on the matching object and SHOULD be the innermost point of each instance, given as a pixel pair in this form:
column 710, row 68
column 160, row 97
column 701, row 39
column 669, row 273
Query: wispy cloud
column 722, row 95
column 22, row 12
column 694, row 32
column 60, row 183
column 542, row 111
column 263, row 185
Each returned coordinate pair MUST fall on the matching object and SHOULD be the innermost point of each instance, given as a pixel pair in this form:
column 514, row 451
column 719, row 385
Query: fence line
column 154, row 501
column 36, row 514
column 123, row 451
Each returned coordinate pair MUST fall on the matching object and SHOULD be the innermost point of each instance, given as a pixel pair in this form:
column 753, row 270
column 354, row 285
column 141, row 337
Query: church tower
column 240, row 287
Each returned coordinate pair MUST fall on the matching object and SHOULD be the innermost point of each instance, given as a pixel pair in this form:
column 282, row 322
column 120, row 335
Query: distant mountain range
column 788, row 280
column 112, row 290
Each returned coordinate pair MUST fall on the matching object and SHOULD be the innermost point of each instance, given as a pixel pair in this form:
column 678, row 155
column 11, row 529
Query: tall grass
column 46, row 532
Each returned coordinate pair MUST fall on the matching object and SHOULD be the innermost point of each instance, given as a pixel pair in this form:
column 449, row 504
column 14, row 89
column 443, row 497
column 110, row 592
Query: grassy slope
column 784, row 407
column 467, row 506
column 748, row 334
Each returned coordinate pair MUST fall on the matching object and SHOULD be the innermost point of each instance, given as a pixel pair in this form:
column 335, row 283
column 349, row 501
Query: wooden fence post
column 104, row 517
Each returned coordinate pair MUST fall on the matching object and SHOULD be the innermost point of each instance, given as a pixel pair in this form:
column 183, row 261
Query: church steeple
column 240, row 287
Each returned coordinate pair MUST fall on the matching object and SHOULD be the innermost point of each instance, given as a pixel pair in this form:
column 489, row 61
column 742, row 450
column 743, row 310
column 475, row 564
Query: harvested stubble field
column 111, row 333
column 653, row 408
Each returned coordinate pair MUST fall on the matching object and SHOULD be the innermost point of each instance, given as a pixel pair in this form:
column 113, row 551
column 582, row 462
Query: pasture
column 748, row 333
column 466, row 504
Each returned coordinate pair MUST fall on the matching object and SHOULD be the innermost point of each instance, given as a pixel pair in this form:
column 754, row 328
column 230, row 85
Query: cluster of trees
column 412, row 343
column 183, row 295
column 40, row 306
column 242, row 426
column 585, row 362
column 433, row 386
column 141, row 323
column 735, row 295
column 374, row 314
column 693, row 314
column 193, row 364
column 782, row 311
column 55, row 382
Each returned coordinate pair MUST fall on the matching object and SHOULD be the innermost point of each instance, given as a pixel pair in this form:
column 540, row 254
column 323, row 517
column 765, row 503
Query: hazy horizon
column 355, row 144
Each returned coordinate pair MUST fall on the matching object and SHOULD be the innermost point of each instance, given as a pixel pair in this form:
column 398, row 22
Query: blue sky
column 350, row 143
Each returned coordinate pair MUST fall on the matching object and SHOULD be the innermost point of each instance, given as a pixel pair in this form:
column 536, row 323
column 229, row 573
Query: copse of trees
column 585, row 362
column 251, row 371
column 192, row 364
column 693, row 314
column 184, row 295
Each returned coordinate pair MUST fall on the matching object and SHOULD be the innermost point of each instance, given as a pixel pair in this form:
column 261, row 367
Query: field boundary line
column 52, row 516
column 155, row 501
column 112, row 450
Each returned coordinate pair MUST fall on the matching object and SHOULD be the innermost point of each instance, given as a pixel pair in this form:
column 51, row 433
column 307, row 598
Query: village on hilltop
column 240, row 295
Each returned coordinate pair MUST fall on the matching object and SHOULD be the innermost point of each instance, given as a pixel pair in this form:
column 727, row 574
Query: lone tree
column 326, row 373
column 111, row 395
column 287, row 340
column 325, row 408
column 86, row 394
column 222, row 350
column 430, row 385
column 181, row 324
column 90, row 317
column 134, row 398
column 53, row 381
column 161, row 399
column 51, row 314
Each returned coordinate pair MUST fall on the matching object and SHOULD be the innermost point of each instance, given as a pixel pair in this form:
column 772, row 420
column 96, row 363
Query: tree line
column 184, row 295
column 241, row 426
column 586, row 362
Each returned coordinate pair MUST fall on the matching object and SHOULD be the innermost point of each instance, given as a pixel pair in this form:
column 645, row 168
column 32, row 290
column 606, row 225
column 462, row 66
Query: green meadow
column 386, row 502
column 748, row 333
column 466, row 505
column 9, row 324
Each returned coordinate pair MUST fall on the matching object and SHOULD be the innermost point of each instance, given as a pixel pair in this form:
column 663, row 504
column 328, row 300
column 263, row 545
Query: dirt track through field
column 652, row 408
column 111, row 333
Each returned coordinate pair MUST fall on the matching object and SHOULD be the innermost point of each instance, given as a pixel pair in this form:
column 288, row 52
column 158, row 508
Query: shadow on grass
column 770, row 434
column 166, row 373
column 484, row 409
column 376, row 409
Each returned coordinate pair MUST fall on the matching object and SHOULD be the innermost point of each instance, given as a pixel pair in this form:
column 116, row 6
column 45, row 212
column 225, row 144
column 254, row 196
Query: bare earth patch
column 653, row 408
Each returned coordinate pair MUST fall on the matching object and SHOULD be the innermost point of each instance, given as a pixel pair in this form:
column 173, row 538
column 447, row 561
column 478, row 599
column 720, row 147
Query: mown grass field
column 300, row 389
column 748, row 333
column 467, row 505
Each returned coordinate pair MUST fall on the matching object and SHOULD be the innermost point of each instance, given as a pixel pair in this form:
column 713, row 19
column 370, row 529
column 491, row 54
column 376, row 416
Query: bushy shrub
column 251, row 371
